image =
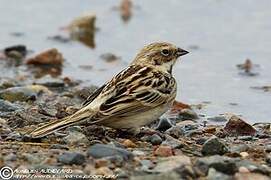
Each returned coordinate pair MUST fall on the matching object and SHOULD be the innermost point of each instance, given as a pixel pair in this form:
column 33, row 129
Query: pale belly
column 137, row 121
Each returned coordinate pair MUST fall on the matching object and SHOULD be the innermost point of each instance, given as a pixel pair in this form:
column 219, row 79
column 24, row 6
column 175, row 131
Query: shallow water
column 226, row 33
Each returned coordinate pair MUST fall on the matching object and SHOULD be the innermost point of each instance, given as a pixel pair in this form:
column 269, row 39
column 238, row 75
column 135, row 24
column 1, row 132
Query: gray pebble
column 155, row 139
column 71, row 158
column 214, row 146
column 102, row 150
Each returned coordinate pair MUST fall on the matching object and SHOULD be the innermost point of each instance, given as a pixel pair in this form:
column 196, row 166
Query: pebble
column 244, row 154
column 250, row 176
column 253, row 167
column 10, row 157
column 105, row 171
column 172, row 142
column 214, row 175
column 214, row 146
column 168, row 164
column 6, row 106
column 268, row 159
column 243, row 170
column 33, row 159
column 48, row 57
column 220, row 163
column 101, row 163
column 187, row 114
column 83, row 29
column 239, row 148
column 238, row 127
column 76, row 138
column 138, row 153
column 164, row 124
column 268, row 148
column 70, row 158
column 163, row 151
column 16, row 52
column 109, row 57
column 155, row 139
column 146, row 165
column 175, row 131
column 102, row 150
column 121, row 174
column 129, row 144
column 59, row 146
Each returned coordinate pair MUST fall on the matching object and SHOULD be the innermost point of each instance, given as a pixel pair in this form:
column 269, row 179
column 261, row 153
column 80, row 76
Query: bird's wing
column 135, row 89
column 95, row 94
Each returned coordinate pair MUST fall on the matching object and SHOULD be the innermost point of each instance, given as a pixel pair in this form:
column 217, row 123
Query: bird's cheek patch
column 157, row 62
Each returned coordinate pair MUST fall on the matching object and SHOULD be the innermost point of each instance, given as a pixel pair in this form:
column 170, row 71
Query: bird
column 135, row 97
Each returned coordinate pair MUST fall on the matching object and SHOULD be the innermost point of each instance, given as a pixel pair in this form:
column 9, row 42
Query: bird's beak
column 181, row 52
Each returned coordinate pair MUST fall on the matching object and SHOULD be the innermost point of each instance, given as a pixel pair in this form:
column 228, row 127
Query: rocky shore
column 181, row 145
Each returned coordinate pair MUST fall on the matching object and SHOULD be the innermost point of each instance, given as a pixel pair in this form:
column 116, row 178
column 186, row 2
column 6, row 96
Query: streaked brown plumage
column 135, row 97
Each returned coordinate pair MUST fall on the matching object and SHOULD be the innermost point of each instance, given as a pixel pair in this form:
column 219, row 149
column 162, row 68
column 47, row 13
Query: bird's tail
column 77, row 118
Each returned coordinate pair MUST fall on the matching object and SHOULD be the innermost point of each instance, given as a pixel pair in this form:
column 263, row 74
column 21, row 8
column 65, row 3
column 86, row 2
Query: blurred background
column 219, row 35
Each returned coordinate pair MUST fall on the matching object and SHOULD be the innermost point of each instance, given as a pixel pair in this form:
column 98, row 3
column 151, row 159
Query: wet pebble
column 109, row 57
column 155, row 139
column 102, row 150
column 70, row 158
column 16, row 52
column 48, row 57
column 214, row 146
column 238, row 127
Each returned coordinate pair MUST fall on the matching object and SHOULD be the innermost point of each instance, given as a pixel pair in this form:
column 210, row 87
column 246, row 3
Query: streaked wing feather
column 135, row 91
column 93, row 96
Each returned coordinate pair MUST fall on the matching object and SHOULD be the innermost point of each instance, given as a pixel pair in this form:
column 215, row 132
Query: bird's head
column 161, row 55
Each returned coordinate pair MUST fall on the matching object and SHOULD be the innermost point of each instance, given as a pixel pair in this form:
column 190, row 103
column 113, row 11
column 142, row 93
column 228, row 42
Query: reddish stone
column 48, row 57
column 129, row 144
column 178, row 106
column 238, row 127
column 163, row 151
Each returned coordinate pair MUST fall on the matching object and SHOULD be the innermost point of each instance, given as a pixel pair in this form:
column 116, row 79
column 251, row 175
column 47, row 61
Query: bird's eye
column 165, row 52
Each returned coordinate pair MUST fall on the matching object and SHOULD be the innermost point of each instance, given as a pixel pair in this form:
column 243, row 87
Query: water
column 226, row 32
